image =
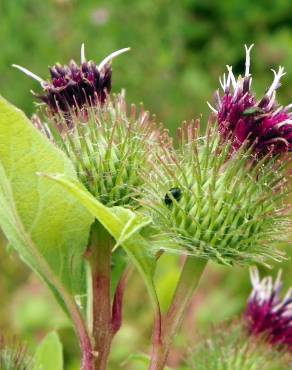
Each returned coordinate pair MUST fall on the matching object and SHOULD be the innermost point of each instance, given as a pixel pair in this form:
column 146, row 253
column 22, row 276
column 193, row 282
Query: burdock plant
column 90, row 186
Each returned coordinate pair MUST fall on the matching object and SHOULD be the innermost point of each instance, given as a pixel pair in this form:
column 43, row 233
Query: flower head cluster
column 207, row 203
column 73, row 85
column 241, row 117
column 267, row 313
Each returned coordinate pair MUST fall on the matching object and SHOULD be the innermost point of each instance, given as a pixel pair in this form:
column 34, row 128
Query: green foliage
column 42, row 222
column 122, row 225
column 49, row 353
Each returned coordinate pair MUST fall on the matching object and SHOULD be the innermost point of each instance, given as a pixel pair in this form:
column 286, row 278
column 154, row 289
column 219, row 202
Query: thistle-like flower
column 210, row 205
column 73, row 86
column 267, row 314
column 264, row 123
column 106, row 142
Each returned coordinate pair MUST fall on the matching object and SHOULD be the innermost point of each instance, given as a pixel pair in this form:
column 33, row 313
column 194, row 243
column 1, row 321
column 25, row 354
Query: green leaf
column 45, row 224
column 133, row 223
column 116, row 222
column 140, row 360
column 49, row 354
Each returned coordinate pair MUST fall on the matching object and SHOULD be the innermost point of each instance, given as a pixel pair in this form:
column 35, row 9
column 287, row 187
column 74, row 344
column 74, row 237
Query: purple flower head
column 241, row 117
column 73, row 85
column 267, row 314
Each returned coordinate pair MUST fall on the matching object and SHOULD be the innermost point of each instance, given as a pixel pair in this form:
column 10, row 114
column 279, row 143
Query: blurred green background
column 179, row 48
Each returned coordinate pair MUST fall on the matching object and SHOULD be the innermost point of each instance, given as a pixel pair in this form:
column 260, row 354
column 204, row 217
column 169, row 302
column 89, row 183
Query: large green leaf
column 122, row 225
column 45, row 224
column 49, row 354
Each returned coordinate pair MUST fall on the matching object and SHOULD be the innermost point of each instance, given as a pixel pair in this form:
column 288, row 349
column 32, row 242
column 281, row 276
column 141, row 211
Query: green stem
column 189, row 279
column 100, row 260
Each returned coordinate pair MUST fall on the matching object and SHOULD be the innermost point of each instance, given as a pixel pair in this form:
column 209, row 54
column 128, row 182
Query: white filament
column 223, row 82
column 283, row 123
column 83, row 58
column 278, row 282
column 247, row 59
column 212, row 108
column 30, row 74
column 111, row 57
column 254, row 276
column 231, row 77
column 276, row 83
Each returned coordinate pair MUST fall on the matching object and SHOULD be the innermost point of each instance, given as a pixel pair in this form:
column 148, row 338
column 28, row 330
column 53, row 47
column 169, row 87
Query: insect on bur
column 253, row 111
column 176, row 194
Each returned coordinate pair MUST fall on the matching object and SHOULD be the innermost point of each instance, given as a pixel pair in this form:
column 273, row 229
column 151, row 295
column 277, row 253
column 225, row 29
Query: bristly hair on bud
column 73, row 86
column 108, row 144
column 213, row 206
column 227, row 347
column 267, row 314
column 264, row 123
column 13, row 355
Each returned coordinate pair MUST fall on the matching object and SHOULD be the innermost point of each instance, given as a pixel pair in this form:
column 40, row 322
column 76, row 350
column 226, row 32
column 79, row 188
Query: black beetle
column 176, row 194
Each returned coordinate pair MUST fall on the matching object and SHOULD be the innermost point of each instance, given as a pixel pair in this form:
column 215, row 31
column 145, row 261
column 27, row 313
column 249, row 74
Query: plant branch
column 171, row 322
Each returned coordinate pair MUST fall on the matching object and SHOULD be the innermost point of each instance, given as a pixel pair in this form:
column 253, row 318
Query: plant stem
column 87, row 355
column 100, row 259
column 87, row 362
column 171, row 322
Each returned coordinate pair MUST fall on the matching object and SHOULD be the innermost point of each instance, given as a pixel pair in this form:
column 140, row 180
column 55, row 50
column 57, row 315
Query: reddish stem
column 87, row 362
column 101, row 245
column 171, row 322
column 118, row 303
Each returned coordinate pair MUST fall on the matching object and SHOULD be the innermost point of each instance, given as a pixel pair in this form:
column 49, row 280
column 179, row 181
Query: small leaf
column 49, row 354
column 116, row 221
column 133, row 223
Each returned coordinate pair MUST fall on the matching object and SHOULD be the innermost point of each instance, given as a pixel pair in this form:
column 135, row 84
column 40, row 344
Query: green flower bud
column 211, row 204
column 107, row 146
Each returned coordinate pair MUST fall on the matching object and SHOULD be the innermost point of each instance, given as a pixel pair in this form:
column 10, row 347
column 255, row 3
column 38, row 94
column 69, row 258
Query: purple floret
column 267, row 314
column 241, row 117
column 76, row 85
